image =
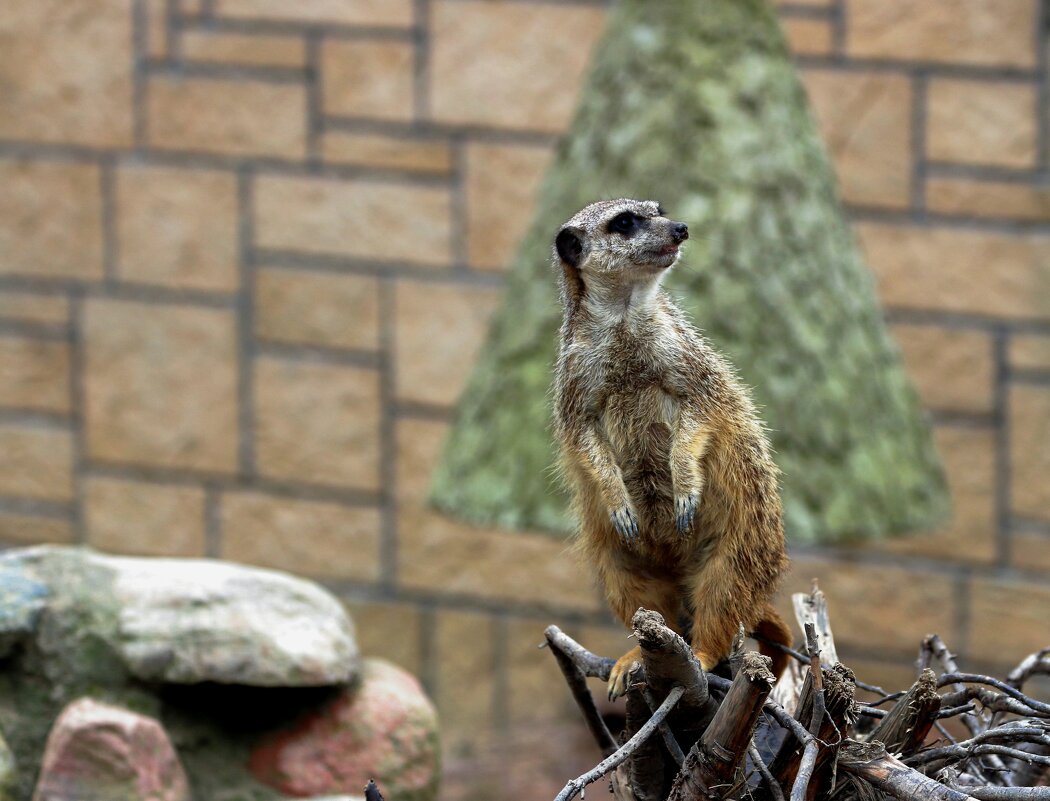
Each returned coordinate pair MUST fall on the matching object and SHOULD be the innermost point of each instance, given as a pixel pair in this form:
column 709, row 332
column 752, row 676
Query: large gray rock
column 21, row 601
column 186, row 620
column 100, row 751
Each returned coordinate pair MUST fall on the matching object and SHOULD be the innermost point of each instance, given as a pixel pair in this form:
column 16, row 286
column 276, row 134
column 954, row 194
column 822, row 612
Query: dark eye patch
column 660, row 211
column 625, row 223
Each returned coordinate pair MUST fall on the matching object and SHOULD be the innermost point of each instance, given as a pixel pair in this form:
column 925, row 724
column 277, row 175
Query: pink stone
column 384, row 728
column 96, row 750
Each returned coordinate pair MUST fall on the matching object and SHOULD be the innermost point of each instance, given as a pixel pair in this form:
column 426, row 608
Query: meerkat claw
column 684, row 509
column 625, row 521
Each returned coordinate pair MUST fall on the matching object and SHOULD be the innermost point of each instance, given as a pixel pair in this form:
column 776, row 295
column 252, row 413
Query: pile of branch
column 696, row 736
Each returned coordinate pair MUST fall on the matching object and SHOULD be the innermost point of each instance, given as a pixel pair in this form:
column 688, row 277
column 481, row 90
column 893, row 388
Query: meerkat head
column 620, row 242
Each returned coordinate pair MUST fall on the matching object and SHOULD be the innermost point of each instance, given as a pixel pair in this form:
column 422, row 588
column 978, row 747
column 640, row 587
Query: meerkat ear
column 569, row 245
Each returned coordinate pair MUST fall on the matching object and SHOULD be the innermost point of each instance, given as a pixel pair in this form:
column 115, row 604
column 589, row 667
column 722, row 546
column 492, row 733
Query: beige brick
column 334, row 310
column 1030, row 551
column 865, row 119
column 1029, row 352
column 502, row 182
column 65, row 69
column 157, row 28
column 952, row 369
column 50, row 220
column 395, row 13
column 1007, row 200
column 892, row 676
column 1029, row 415
column 537, row 691
column 968, row 456
column 312, row 538
column 227, row 117
column 239, row 48
column 439, row 554
column 36, row 463
column 317, row 423
column 34, row 374
column 136, row 517
column 464, row 658
column 419, row 445
column 952, row 269
column 509, row 65
column 432, row 156
column 29, row 308
column 982, row 122
column 161, row 385
column 389, row 631
column 434, row 369
column 985, row 32
column 368, row 78
column 363, row 219
column 910, row 603
column 177, row 228
column 808, row 37
column 31, row 530
column 1007, row 620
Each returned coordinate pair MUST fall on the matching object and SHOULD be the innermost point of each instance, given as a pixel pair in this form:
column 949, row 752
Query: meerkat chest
column 637, row 412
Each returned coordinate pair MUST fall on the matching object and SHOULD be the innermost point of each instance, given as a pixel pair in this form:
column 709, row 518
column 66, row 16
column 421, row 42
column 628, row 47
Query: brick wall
column 248, row 249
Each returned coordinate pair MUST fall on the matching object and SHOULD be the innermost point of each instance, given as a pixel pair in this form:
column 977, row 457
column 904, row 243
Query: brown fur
column 674, row 486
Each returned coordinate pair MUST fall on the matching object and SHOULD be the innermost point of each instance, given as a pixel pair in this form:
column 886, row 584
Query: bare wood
column 1039, row 662
column 808, row 763
column 624, row 751
column 763, row 771
column 871, row 762
column 570, row 655
column 904, row 729
column 645, row 768
column 669, row 662
column 713, row 761
column 992, row 793
column 813, row 608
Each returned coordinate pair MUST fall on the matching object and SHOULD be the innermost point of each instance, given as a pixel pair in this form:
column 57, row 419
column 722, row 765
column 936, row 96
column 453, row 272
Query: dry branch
column 576, row 663
column 904, row 729
column 870, row 762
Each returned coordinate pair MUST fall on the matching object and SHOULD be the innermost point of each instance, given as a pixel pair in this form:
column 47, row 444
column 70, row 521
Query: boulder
column 97, row 750
column 21, row 601
column 383, row 728
column 189, row 620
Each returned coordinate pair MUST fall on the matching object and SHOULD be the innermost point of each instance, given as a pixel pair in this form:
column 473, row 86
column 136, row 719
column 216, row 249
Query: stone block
column 317, row 423
column 865, row 119
column 1029, row 550
column 439, row 554
column 1029, row 352
column 253, row 50
column 1029, row 416
column 982, row 122
column 953, row 369
column 424, row 155
column 368, row 78
column 508, row 65
column 32, row 530
column 392, row 13
column 464, row 657
column 177, row 228
column 312, row 538
column 36, row 462
column 502, row 182
column 34, row 375
column 334, row 310
column 808, row 36
column 358, row 219
column 26, row 307
column 977, row 32
column 1007, row 620
column 987, row 273
column 227, row 117
column 160, row 385
column 433, row 369
column 999, row 199
column 375, row 622
column 136, row 517
column 419, row 445
column 537, row 692
column 66, row 73
column 50, row 220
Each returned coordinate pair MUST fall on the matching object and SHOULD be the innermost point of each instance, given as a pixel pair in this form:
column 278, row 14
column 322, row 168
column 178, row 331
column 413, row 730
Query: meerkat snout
column 679, row 232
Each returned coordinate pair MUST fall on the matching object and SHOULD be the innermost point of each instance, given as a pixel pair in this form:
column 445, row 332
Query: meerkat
column 674, row 486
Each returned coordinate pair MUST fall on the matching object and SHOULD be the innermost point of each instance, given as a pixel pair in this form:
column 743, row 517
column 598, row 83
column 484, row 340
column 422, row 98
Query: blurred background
column 249, row 249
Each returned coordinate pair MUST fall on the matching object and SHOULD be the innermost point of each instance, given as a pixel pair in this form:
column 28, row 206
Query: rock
column 8, row 772
column 21, row 601
column 384, row 728
column 192, row 620
column 97, row 751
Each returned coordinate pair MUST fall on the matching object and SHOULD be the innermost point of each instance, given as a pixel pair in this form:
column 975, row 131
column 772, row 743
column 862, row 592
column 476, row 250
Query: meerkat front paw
column 684, row 510
column 619, row 676
column 625, row 521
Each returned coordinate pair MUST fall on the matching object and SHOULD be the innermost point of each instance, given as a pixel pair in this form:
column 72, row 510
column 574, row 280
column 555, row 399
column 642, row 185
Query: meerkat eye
column 660, row 211
column 623, row 223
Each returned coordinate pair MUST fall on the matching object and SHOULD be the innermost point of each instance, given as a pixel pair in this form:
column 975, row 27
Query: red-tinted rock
column 383, row 728
column 97, row 750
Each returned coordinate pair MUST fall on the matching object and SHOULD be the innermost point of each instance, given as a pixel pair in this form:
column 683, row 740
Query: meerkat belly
column 638, row 425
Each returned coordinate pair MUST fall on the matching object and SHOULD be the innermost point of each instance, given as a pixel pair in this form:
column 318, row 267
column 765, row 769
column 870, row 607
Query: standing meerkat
column 674, row 486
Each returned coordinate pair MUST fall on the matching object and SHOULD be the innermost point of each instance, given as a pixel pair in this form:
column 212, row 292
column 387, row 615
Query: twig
column 767, row 777
column 1039, row 662
column 624, row 751
column 571, row 656
column 976, row 678
column 665, row 730
column 809, row 754
column 870, row 762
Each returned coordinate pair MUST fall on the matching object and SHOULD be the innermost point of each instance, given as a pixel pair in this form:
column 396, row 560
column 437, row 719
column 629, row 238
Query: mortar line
column 421, row 60
column 314, row 96
column 212, row 522
column 1002, row 446
column 389, row 527
column 919, row 108
column 77, row 405
column 245, row 324
column 140, row 85
column 110, row 243
column 1042, row 110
